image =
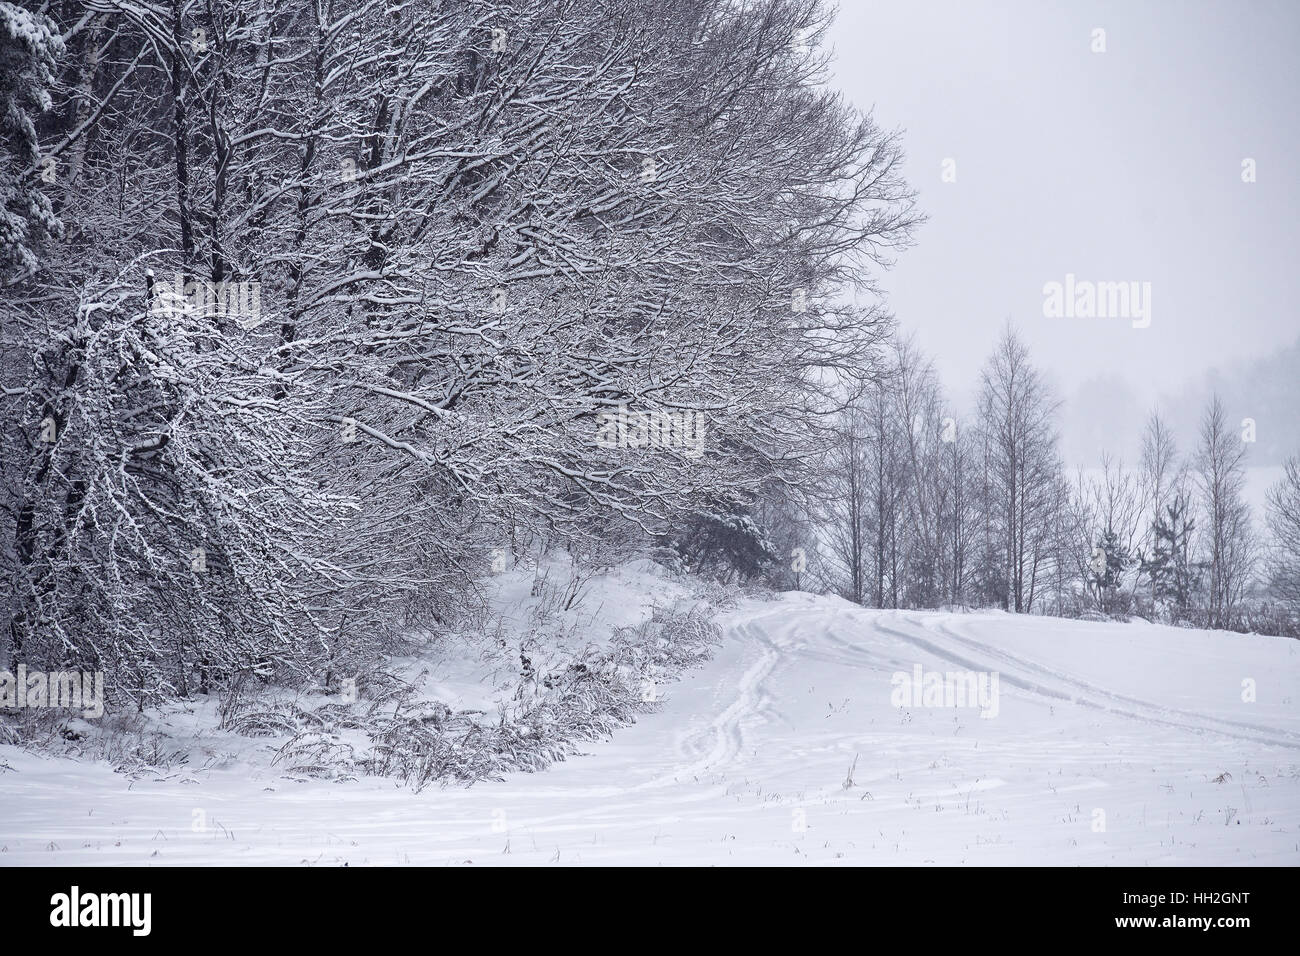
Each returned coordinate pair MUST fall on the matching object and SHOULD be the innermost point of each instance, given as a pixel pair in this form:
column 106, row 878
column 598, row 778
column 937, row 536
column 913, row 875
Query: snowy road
column 1112, row 744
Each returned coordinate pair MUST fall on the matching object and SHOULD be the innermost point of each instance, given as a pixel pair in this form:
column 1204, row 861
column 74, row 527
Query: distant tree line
column 921, row 507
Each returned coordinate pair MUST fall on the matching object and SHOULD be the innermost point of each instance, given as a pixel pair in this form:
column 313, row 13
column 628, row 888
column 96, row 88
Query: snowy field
column 1112, row 744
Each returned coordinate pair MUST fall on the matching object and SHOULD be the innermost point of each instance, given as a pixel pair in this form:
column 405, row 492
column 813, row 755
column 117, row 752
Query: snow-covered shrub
column 423, row 742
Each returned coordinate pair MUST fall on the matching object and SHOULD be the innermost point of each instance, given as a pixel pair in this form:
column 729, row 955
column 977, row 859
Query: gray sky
column 1122, row 165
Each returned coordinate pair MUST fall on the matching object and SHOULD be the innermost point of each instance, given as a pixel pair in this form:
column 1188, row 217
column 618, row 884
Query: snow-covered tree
column 1171, row 566
column 30, row 46
column 349, row 294
column 1284, row 523
column 1016, row 416
column 1229, row 546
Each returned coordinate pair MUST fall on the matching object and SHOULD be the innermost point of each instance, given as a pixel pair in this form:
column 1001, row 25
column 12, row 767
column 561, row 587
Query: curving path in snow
column 1112, row 744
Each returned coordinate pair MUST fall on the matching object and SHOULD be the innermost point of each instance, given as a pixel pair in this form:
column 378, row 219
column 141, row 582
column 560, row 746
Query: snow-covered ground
column 1112, row 744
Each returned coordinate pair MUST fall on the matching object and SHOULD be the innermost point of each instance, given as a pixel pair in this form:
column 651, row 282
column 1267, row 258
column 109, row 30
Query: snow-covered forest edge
column 411, row 392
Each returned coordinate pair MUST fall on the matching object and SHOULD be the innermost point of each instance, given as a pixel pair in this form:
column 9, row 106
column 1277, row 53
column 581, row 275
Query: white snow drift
column 1111, row 744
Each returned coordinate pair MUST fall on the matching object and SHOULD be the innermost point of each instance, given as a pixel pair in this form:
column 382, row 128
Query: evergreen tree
column 1110, row 559
column 1284, row 523
column 725, row 541
column 29, row 47
column 1170, row 568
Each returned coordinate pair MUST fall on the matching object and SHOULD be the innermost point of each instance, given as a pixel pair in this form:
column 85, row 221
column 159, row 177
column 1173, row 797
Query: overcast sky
column 1122, row 165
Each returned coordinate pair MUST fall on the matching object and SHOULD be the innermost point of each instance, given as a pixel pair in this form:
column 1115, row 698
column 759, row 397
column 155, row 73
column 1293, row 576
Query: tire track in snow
column 1026, row 682
column 724, row 736
column 949, row 630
